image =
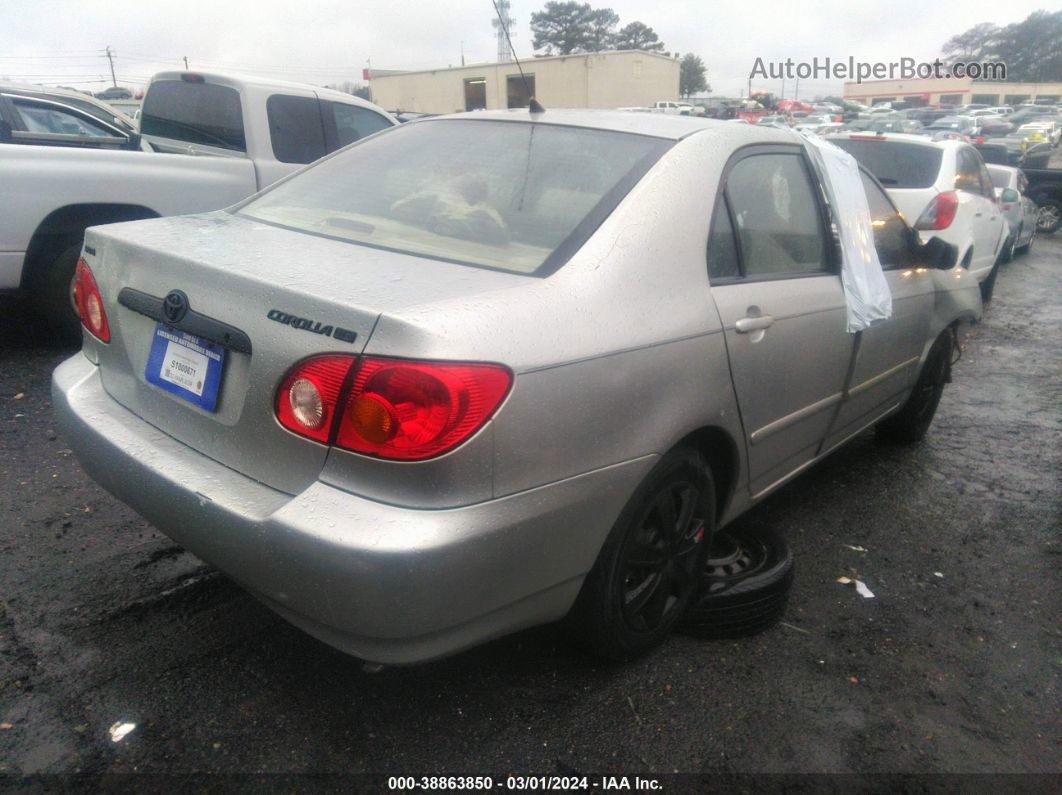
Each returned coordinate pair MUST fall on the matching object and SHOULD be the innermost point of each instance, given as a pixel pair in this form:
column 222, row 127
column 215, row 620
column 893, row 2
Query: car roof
column 238, row 80
column 658, row 125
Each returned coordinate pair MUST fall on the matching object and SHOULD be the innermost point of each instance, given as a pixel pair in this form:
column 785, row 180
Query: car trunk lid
column 282, row 296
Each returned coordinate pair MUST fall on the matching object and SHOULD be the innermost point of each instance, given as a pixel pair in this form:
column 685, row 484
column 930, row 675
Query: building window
column 1046, row 99
column 476, row 93
column 915, row 101
column 951, row 99
column 986, row 99
column 519, row 92
column 1015, row 99
column 879, row 100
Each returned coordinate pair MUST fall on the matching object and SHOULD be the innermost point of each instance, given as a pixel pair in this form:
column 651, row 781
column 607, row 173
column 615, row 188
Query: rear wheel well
column 65, row 227
column 721, row 455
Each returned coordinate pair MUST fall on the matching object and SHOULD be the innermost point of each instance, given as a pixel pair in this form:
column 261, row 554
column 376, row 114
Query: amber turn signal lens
column 373, row 418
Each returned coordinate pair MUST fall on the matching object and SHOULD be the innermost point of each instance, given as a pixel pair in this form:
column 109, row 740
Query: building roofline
column 527, row 63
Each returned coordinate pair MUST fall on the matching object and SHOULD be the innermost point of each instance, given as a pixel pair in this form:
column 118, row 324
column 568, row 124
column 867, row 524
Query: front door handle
column 747, row 325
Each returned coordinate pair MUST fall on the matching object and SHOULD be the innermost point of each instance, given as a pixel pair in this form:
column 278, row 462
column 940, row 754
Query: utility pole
column 186, row 63
column 110, row 57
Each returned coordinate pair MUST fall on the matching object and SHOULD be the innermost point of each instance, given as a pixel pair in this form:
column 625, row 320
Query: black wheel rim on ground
column 659, row 559
column 1049, row 218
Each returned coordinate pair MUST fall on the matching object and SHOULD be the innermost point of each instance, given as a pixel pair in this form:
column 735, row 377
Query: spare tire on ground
column 744, row 587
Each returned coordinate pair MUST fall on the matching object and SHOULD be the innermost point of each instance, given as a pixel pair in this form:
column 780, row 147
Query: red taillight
column 392, row 408
column 308, row 396
column 410, row 410
column 90, row 303
column 939, row 213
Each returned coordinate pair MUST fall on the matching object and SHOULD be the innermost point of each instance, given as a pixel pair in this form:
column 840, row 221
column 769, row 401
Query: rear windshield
column 513, row 196
column 199, row 113
column 896, row 164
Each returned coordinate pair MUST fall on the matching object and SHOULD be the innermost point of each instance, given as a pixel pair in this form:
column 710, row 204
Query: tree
column 1031, row 49
column 691, row 75
column 562, row 28
column 637, row 36
column 975, row 44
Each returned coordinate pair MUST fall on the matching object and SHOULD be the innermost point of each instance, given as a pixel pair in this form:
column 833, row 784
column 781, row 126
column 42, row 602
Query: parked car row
column 945, row 189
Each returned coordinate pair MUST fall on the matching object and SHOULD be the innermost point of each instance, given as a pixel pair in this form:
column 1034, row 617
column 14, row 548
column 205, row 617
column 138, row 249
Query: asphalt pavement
column 952, row 667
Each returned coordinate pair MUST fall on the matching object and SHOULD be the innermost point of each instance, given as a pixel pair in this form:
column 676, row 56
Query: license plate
column 186, row 365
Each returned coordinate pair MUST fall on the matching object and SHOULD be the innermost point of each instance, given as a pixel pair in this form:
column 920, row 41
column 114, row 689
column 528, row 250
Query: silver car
column 488, row 371
column 1021, row 212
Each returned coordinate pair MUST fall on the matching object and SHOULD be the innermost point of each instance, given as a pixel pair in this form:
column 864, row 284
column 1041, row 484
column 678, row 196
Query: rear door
column 779, row 296
column 888, row 353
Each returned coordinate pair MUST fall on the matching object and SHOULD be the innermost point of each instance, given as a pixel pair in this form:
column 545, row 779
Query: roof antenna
column 533, row 105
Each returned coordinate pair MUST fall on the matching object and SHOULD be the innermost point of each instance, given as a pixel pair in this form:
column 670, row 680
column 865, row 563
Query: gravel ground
column 953, row 667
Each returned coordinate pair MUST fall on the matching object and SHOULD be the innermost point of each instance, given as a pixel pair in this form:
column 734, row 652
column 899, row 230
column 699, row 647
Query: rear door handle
column 749, row 324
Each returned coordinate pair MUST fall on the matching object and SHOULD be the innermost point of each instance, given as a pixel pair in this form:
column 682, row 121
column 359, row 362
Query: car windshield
column 513, row 196
column 896, row 164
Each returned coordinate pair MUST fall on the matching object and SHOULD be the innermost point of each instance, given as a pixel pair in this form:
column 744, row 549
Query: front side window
column 295, row 128
column 890, row 231
column 776, row 213
column 196, row 113
column 513, row 196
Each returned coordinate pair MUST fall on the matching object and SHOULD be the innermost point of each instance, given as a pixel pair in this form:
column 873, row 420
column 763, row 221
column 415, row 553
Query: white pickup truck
column 671, row 107
column 217, row 139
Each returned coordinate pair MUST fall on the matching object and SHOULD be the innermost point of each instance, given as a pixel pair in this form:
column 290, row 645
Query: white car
column 1002, row 110
column 1021, row 212
column 944, row 190
column 1048, row 129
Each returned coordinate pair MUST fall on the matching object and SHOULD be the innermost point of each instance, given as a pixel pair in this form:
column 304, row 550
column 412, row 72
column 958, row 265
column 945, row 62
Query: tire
column 744, row 588
column 1023, row 250
column 55, row 296
column 988, row 286
column 646, row 575
column 912, row 421
column 1007, row 253
column 1050, row 217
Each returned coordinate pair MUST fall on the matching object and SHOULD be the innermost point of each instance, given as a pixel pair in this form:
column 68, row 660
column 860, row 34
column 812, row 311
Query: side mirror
column 133, row 142
column 939, row 254
column 1010, row 196
column 5, row 132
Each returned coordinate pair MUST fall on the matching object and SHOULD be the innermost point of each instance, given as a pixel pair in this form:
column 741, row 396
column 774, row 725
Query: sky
column 55, row 42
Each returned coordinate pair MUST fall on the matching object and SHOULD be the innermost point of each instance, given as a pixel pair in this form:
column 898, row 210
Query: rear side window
column 41, row 117
column 1000, row 179
column 968, row 175
column 777, row 217
column 295, row 128
column 354, row 123
column 198, row 113
column 896, row 164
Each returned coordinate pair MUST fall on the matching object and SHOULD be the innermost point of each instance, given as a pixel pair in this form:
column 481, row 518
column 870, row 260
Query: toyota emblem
column 175, row 306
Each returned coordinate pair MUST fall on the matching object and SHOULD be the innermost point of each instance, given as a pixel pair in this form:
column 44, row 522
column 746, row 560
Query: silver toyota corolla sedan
column 482, row 372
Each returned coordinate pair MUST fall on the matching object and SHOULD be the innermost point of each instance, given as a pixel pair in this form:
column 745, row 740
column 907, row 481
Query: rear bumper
column 393, row 585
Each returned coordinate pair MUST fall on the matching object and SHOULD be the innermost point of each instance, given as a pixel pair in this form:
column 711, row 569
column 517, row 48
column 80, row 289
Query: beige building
column 622, row 78
column 952, row 91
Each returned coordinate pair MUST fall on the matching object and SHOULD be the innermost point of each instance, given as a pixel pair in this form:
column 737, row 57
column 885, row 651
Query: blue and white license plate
column 186, row 365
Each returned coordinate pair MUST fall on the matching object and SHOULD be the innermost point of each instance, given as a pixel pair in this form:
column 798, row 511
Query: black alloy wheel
column 659, row 560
